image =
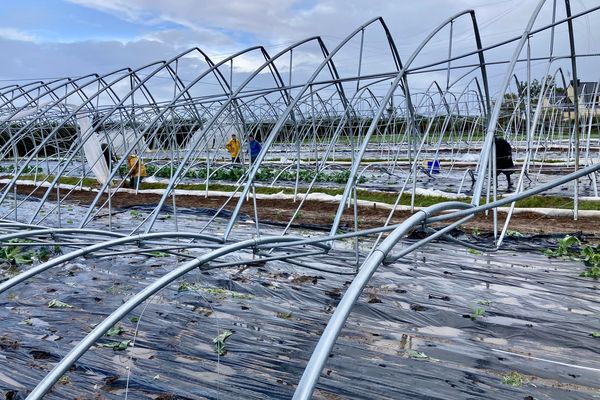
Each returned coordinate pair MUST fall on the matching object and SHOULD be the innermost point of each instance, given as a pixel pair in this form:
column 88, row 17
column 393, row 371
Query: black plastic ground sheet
column 443, row 323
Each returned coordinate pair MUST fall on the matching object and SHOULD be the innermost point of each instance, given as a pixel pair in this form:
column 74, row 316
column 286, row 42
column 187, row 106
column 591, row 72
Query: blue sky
column 57, row 38
column 63, row 21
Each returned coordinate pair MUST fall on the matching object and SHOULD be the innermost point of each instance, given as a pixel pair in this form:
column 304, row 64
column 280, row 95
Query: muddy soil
column 319, row 214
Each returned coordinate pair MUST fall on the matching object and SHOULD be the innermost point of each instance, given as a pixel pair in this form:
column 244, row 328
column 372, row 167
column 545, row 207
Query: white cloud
column 14, row 34
column 222, row 28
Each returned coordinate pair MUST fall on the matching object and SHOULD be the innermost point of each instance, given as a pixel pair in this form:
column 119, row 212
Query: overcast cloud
column 49, row 39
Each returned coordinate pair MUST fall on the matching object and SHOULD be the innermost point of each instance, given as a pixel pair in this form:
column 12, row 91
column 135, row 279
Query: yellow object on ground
column 136, row 166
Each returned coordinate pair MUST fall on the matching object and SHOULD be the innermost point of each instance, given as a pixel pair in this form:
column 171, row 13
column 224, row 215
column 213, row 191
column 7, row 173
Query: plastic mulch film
column 443, row 323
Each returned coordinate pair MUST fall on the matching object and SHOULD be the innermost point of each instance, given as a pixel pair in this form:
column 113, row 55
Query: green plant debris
column 595, row 334
column 118, row 288
column 15, row 255
column 186, row 287
column 477, row 312
column 55, row 303
column 135, row 214
column 64, row 380
column 228, row 293
column 156, row 253
column 473, row 251
column 565, row 247
column 284, row 315
column 570, row 247
column 115, row 331
column 134, row 320
column 486, row 303
column 514, row 234
column 514, row 379
column 234, row 173
column 219, row 342
column 417, row 354
column 116, row 346
column 593, row 272
column 591, row 258
column 222, row 293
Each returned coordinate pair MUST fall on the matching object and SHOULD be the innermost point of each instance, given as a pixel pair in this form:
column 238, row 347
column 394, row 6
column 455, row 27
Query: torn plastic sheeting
column 532, row 305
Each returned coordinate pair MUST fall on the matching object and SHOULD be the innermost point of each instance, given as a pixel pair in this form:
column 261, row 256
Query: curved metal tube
column 67, row 361
column 52, row 231
column 487, row 145
column 338, row 319
column 23, row 276
column 518, row 196
column 379, row 112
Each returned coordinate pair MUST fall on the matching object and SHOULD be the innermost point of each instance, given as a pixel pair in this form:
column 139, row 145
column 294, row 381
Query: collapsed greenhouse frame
column 52, row 132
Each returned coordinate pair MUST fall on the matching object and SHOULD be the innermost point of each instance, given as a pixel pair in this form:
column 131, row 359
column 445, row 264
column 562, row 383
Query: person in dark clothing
column 108, row 155
column 255, row 148
column 504, row 161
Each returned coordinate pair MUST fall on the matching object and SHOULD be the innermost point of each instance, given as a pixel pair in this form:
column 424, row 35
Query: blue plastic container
column 433, row 166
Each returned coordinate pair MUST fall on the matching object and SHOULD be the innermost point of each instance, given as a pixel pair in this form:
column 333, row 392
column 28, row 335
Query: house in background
column 588, row 94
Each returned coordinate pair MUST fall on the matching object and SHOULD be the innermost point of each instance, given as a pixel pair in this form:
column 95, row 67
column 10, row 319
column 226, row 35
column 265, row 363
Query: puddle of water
column 394, row 347
column 569, row 309
column 10, row 381
column 512, row 290
column 511, row 301
column 440, row 331
column 204, row 347
column 508, row 321
column 140, row 352
column 219, row 373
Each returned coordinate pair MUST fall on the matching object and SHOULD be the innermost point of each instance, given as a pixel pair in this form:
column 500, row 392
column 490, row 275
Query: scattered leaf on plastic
column 595, row 334
column 219, row 342
column 284, row 315
column 55, row 303
column 116, row 346
column 477, row 312
column 515, row 234
column 115, row 331
column 217, row 292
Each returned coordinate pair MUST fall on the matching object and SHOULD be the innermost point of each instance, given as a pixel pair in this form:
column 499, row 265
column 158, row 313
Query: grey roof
column 587, row 91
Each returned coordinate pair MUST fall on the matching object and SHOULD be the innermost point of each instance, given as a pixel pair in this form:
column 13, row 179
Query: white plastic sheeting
column 122, row 140
column 92, row 149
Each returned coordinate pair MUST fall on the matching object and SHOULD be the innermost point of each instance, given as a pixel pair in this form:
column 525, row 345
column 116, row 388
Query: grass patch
column 514, row 379
column 555, row 202
column 558, row 202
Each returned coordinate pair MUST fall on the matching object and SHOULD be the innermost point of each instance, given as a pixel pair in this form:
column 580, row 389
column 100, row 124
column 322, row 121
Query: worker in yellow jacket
column 233, row 147
column 137, row 170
